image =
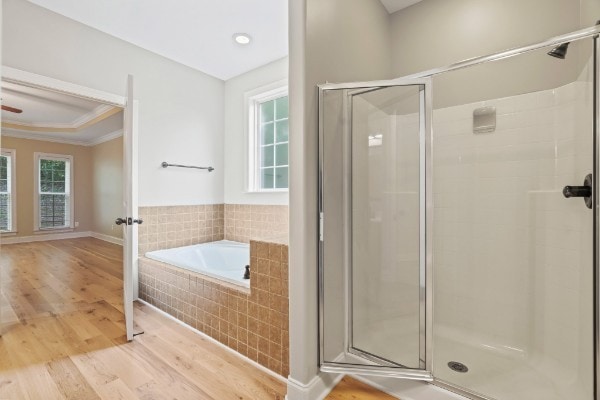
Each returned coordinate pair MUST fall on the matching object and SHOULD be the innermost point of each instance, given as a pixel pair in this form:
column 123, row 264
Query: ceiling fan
column 12, row 109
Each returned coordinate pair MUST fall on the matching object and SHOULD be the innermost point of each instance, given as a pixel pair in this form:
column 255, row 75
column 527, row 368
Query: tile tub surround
column 253, row 322
column 175, row 226
column 245, row 222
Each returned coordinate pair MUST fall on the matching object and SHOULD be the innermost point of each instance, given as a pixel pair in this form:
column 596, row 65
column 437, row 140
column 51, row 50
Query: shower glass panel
column 513, row 260
column 373, row 308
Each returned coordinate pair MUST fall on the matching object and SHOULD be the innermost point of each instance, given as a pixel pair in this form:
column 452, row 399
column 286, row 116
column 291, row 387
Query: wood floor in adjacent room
column 64, row 337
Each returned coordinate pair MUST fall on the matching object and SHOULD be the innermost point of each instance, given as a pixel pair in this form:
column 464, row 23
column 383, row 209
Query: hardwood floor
column 351, row 389
column 64, row 337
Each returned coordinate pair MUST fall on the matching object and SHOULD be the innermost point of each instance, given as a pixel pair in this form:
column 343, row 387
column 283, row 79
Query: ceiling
column 57, row 117
column 396, row 5
column 196, row 33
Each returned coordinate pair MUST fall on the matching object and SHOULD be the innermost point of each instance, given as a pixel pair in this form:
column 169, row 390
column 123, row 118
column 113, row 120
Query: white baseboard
column 317, row 389
column 107, row 238
column 44, row 237
column 59, row 236
column 210, row 339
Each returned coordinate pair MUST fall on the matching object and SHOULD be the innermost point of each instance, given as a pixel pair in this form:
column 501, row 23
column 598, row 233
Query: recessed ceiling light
column 242, row 38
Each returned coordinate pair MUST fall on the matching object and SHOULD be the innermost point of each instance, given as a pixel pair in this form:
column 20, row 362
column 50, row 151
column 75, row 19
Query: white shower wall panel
column 512, row 267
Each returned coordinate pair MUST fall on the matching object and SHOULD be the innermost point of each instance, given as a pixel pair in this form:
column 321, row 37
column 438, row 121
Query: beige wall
column 82, row 173
column 107, row 178
column 97, row 188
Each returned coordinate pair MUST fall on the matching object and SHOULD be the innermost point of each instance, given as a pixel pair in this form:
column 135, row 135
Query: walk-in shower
column 460, row 256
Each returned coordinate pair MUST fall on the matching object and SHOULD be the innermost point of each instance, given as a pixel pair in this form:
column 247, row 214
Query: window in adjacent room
column 7, row 191
column 54, row 200
column 269, row 141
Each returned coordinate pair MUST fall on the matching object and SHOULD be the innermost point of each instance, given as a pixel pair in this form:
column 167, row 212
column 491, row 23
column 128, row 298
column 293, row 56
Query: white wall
column 473, row 28
column 181, row 109
column 236, row 144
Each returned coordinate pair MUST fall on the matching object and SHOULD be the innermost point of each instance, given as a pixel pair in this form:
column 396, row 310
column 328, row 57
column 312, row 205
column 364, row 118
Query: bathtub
column 225, row 260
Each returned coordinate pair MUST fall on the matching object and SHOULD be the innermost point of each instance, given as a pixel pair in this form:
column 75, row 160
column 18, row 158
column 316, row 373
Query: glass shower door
column 373, row 264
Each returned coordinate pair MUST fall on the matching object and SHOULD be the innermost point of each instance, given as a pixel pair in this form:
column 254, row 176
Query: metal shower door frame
column 425, row 235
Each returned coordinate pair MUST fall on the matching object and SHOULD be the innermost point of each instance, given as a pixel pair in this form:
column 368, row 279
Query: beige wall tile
column 255, row 324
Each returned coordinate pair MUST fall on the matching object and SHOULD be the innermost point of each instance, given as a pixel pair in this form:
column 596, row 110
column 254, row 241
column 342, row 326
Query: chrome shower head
column 559, row 51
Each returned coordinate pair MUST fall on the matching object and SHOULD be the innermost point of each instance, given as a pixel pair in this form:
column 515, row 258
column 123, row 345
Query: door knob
column 584, row 191
column 120, row 221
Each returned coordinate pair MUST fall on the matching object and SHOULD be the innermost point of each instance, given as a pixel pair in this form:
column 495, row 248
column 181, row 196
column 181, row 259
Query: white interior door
column 130, row 207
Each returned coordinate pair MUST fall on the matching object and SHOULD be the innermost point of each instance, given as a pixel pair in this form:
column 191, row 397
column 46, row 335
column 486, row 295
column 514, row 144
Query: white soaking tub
column 225, row 260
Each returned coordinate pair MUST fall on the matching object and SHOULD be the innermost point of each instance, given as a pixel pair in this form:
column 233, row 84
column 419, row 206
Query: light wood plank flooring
column 64, row 338
column 64, row 335
column 351, row 389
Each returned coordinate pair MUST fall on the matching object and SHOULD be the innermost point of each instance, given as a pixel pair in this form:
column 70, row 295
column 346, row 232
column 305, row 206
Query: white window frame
column 12, row 153
column 36, row 190
column 252, row 101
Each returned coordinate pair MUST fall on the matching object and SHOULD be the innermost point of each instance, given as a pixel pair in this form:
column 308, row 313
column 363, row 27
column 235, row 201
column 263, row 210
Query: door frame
column 423, row 373
column 33, row 80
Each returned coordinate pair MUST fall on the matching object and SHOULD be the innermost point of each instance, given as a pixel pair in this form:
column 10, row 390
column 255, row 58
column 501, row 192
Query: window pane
column 267, row 111
column 3, row 185
column 266, row 133
column 282, row 131
column 54, row 205
column 281, row 178
column 53, row 176
column 267, row 156
column 4, row 212
column 53, row 210
column 281, row 107
column 281, row 154
column 3, row 167
column 266, row 178
column 58, row 176
column 58, row 187
column 45, row 175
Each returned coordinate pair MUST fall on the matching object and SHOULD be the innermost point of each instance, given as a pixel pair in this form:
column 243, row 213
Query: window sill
column 52, row 230
column 8, row 233
column 268, row 191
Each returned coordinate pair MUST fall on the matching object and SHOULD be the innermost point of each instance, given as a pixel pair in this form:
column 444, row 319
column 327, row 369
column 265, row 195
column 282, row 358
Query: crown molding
column 105, row 138
column 98, row 114
column 44, row 138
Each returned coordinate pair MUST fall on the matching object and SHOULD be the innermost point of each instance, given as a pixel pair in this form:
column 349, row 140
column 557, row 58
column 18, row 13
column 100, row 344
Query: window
column 269, row 141
column 53, row 182
column 7, row 191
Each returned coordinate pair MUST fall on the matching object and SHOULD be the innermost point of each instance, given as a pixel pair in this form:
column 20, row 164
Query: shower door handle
column 584, row 191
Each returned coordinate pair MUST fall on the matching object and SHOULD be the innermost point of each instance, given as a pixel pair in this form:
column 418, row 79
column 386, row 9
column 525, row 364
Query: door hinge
column 321, row 226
